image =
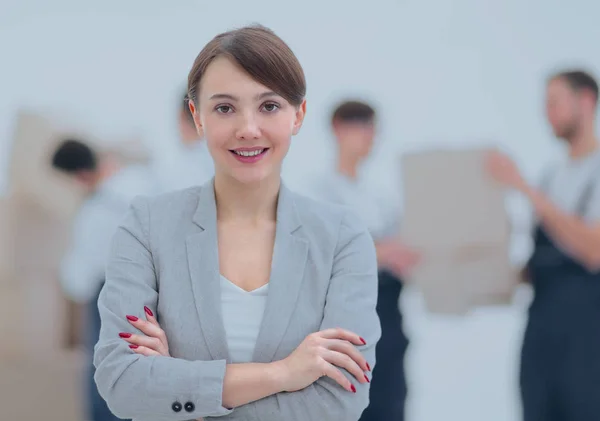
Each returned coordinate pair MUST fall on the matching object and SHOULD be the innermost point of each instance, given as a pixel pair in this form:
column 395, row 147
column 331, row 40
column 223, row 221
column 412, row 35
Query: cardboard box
column 48, row 389
column 455, row 216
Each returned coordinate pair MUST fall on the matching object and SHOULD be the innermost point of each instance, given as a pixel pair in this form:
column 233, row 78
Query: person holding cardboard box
column 560, row 359
column 354, row 124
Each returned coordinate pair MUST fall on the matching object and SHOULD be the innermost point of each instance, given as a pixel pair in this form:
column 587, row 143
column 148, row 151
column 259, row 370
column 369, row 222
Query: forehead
column 558, row 88
column 223, row 76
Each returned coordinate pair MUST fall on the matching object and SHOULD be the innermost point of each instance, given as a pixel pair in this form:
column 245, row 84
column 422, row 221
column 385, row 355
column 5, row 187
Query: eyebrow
column 234, row 98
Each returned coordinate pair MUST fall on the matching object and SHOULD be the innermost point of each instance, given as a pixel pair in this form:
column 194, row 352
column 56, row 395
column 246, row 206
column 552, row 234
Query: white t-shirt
column 567, row 183
column 378, row 209
column 82, row 268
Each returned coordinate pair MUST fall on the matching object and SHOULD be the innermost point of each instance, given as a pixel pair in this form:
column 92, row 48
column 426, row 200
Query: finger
column 150, row 316
column 350, row 350
column 142, row 350
column 339, row 333
column 145, row 341
column 336, row 375
column 342, row 360
column 147, row 328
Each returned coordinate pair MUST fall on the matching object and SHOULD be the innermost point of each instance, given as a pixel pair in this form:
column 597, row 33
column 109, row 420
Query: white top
column 82, row 268
column 566, row 182
column 242, row 316
column 378, row 210
column 565, row 185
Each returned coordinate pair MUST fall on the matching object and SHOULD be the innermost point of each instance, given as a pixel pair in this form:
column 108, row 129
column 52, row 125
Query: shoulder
column 324, row 221
column 167, row 207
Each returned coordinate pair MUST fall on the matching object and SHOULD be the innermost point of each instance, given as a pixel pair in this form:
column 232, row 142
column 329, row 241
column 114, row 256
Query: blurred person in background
column 110, row 189
column 560, row 359
column 193, row 164
column 354, row 127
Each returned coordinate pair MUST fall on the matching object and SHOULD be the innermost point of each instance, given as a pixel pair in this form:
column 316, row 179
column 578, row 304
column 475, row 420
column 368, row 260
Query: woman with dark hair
column 240, row 299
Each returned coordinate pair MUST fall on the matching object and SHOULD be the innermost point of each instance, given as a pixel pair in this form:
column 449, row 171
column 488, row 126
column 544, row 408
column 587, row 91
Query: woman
column 264, row 296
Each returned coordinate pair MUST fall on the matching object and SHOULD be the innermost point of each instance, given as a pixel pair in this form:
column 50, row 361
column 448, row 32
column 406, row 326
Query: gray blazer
column 164, row 255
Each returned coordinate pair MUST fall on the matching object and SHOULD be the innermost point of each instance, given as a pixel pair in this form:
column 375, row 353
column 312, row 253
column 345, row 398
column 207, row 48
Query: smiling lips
column 249, row 155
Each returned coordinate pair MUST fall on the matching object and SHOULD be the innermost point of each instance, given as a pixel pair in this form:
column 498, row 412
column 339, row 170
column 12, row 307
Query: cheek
column 217, row 132
column 278, row 131
column 559, row 115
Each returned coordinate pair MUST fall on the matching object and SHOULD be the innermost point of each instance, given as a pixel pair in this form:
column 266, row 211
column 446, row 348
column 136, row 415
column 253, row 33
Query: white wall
column 440, row 72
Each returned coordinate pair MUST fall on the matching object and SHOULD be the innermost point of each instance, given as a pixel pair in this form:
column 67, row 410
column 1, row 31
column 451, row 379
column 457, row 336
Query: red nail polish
column 368, row 367
column 353, row 388
column 133, row 346
column 148, row 311
column 125, row 335
column 363, row 341
column 132, row 318
column 367, row 379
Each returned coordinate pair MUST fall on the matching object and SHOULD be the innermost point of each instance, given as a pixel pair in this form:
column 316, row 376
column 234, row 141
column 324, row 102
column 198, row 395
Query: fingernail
column 133, row 346
column 367, row 379
column 148, row 311
column 368, row 367
column 132, row 318
column 363, row 341
column 353, row 388
column 125, row 335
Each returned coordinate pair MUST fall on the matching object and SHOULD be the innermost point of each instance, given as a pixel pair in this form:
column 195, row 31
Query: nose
column 248, row 128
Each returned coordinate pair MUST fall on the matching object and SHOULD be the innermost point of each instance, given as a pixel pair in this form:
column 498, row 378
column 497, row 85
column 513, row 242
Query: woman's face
column 247, row 127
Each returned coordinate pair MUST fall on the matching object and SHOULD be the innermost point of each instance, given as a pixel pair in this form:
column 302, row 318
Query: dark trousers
column 96, row 408
column 388, row 384
column 560, row 367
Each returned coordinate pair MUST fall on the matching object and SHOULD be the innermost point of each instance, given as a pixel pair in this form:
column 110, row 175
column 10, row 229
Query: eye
column 270, row 107
column 224, row 109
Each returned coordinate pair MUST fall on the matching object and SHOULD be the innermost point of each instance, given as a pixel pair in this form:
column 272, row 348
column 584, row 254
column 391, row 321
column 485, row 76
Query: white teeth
column 250, row 153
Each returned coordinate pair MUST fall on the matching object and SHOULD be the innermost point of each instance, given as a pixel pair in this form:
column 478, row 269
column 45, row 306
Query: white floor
column 463, row 368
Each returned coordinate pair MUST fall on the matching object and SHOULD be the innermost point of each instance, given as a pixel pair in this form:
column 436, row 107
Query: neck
column 348, row 166
column 583, row 143
column 248, row 203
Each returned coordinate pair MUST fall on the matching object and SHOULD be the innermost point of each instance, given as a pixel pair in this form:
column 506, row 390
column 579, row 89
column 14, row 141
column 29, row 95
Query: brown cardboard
column 48, row 389
column 455, row 216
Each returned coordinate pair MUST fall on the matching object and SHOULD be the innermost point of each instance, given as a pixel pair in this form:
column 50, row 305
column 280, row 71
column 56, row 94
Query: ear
column 300, row 113
column 196, row 116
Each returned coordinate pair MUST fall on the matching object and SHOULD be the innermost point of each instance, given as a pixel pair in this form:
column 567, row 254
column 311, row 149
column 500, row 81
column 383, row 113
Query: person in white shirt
column 193, row 164
column 111, row 189
column 353, row 124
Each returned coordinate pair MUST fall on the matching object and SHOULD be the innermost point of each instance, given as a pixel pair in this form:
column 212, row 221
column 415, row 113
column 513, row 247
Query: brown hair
column 261, row 54
column 578, row 80
column 353, row 111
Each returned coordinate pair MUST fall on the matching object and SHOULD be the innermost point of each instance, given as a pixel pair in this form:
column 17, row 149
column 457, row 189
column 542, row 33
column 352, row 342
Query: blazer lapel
column 287, row 272
column 203, row 262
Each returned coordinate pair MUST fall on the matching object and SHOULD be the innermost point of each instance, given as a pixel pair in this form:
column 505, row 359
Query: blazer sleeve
column 135, row 386
column 351, row 304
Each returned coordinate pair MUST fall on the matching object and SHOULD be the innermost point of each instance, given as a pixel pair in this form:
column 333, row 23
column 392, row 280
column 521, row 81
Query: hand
column 153, row 342
column 396, row 257
column 319, row 354
column 504, row 170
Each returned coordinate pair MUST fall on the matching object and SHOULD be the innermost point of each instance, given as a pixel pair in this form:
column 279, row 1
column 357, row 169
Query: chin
column 254, row 176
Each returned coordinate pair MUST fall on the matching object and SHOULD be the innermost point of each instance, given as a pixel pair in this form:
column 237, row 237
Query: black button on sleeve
column 176, row 407
column 189, row 407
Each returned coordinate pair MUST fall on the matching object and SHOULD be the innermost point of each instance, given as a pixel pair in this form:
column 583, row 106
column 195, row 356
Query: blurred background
column 441, row 74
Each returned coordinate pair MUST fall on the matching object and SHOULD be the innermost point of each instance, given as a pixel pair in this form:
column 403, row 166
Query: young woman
column 265, row 299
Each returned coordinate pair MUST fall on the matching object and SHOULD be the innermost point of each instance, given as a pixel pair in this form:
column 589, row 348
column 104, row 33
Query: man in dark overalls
column 560, row 359
column 353, row 124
